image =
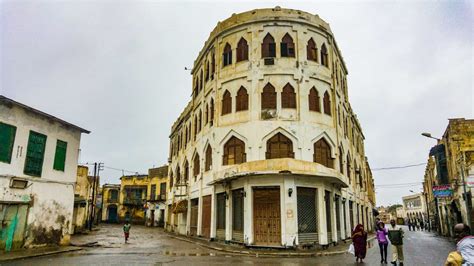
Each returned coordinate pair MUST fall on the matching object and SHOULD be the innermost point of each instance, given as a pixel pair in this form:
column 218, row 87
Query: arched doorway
column 112, row 214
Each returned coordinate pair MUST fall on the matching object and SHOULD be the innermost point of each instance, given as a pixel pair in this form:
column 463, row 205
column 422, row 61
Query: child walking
column 382, row 233
column 126, row 230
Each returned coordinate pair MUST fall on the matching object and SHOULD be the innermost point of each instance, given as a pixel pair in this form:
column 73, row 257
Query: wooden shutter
column 60, row 156
column 324, row 55
column 312, row 51
column 35, row 154
column 226, row 103
column 242, row 100
column 227, row 55
column 327, row 103
column 197, row 166
column 313, row 100
column 288, row 97
column 7, row 139
column 208, row 158
column 287, row 46
column 279, row 146
column 268, row 46
column 269, row 97
column 242, row 50
column 234, row 152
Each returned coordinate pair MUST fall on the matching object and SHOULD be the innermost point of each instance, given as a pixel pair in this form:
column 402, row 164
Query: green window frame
column 7, row 139
column 60, row 155
column 35, row 154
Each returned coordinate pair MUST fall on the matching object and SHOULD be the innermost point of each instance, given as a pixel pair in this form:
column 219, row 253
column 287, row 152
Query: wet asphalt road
column 150, row 246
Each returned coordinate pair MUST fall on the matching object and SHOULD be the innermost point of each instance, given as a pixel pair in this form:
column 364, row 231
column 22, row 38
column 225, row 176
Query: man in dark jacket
column 395, row 234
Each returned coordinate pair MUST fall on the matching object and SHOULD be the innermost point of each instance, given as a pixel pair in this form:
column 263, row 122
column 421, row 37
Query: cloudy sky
column 117, row 69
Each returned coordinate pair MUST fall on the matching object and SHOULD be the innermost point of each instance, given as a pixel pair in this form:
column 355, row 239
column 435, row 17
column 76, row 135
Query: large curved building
column 268, row 151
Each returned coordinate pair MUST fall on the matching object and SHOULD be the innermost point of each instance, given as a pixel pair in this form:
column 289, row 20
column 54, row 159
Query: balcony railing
column 133, row 201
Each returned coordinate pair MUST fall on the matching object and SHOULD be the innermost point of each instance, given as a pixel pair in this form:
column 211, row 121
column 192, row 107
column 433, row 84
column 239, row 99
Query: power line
column 397, row 167
column 113, row 168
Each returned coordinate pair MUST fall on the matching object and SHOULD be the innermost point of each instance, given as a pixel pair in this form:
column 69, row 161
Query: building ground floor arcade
column 271, row 210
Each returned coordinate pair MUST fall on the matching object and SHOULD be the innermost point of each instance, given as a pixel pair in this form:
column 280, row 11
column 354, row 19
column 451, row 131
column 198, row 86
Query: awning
column 79, row 201
column 180, row 207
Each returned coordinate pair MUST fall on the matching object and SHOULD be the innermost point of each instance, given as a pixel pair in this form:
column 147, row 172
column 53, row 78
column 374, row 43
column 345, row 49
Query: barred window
column 242, row 100
column 242, row 50
column 322, row 153
column 279, row 146
column 312, row 51
column 288, row 97
column 234, row 152
column 226, row 103
column 269, row 97
column 268, row 46
column 287, row 46
column 313, row 100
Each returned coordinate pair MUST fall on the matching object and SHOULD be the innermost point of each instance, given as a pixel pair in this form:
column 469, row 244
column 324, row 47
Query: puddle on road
column 193, row 254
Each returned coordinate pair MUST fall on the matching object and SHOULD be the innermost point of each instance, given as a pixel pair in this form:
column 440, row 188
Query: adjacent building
column 157, row 190
column 414, row 207
column 268, row 152
column 133, row 196
column 110, row 203
column 38, row 168
column 83, row 197
column 450, row 172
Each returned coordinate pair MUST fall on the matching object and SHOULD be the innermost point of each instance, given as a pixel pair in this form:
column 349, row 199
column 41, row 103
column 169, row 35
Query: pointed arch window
column 269, row 97
column 226, row 103
column 288, row 97
column 195, row 127
column 313, row 100
column 227, row 55
column 234, row 152
column 208, row 163
column 341, row 161
column 211, row 119
column 186, row 172
column 324, row 56
column 213, row 66
column 279, row 146
column 201, row 85
column 171, row 179
column 242, row 100
column 287, row 46
column 268, row 46
column 312, row 51
column 348, row 171
column 196, row 166
column 206, row 114
column 196, row 87
column 327, row 103
column 207, row 70
column 242, row 50
column 200, row 121
column 178, row 175
column 322, row 153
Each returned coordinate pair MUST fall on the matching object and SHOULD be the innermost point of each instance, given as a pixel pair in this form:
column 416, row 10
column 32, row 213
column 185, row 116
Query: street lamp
column 428, row 135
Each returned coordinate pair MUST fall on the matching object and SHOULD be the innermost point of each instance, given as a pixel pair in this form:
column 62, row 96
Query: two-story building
column 133, row 196
column 110, row 203
column 157, row 190
column 38, row 167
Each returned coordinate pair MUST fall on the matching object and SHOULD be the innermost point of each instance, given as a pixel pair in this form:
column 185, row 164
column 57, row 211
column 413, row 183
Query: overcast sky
column 117, row 68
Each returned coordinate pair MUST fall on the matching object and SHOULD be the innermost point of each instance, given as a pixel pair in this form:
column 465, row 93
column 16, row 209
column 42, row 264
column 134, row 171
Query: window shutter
column 7, row 139
column 35, row 154
column 60, row 156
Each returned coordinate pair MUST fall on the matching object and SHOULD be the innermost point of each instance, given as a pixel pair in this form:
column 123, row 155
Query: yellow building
column 82, row 194
column 133, row 196
column 110, row 203
column 157, row 190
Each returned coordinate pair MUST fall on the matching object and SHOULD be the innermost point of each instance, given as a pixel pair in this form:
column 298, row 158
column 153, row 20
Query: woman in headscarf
column 359, row 240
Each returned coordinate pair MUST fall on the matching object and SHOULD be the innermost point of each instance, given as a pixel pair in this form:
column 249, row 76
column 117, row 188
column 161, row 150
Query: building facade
column 414, row 207
column 110, row 203
column 82, row 198
column 133, row 196
column 156, row 201
column 38, row 167
column 268, row 151
column 450, row 164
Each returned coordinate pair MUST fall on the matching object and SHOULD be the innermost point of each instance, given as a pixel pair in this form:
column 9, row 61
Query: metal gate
column 220, row 224
column 12, row 225
column 238, row 215
column 267, row 216
column 327, row 200
column 194, row 216
column 206, row 216
column 338, row 218
column 307, row 215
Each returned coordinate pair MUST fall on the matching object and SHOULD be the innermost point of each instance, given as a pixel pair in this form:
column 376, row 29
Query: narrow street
column 151, row 246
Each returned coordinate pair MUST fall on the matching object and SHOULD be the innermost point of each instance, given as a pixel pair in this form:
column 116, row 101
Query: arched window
column 242, row 100
column 313, row 100
column 207, row 70
column 196, row 87
column 186, row 172
column 279, row 146
column 196, row 166
column 213, row 66
column 208, row 163
column 226, row 103
column 200, row 121
column 322, row 153
column 234, row 152
column 201, row 86
column 324, row 56
column 312, row 51
column 178, row 175
column 195, row 127
column 227, row 55
column 288, row 97
column 171, row 179
column 287, row 46
column 341, row 161
column 242, row 50
column 269, row 97
column 268, row 46
column 211, row 119
column 206, row 115
column 185, row 139
column 327, row 103
column 348, row 171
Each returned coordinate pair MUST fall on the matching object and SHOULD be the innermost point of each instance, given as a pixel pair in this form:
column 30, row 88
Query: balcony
column 133, row 201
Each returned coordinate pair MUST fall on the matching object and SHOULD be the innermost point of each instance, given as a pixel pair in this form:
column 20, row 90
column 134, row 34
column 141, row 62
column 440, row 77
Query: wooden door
column 266, row 216
column 194, row 216
column 12, row 226
column 206, row 216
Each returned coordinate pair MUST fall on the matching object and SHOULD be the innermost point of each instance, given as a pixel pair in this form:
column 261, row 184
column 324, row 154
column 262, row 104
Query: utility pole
column 91, row 215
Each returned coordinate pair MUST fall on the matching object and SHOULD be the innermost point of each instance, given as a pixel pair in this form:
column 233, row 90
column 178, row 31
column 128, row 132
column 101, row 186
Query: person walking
column 464, row 254
column 422, row 225
column 395, row 235
column 359, row 239
column 381, row 234
column 409, row 225
column 126, row 230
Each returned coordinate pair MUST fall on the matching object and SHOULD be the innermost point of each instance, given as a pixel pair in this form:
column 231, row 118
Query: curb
column 265, row 254
column 46, row 253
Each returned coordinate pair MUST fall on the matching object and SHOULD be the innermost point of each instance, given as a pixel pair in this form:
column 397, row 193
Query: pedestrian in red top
column 359, row 239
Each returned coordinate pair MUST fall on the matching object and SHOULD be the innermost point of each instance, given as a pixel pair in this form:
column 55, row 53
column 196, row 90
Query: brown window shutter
column 288, row 97
column 226, row 103
column 269, row 97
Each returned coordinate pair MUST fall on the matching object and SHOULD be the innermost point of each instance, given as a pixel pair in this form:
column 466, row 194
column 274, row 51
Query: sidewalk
column 341, row 248
column 35, row 252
